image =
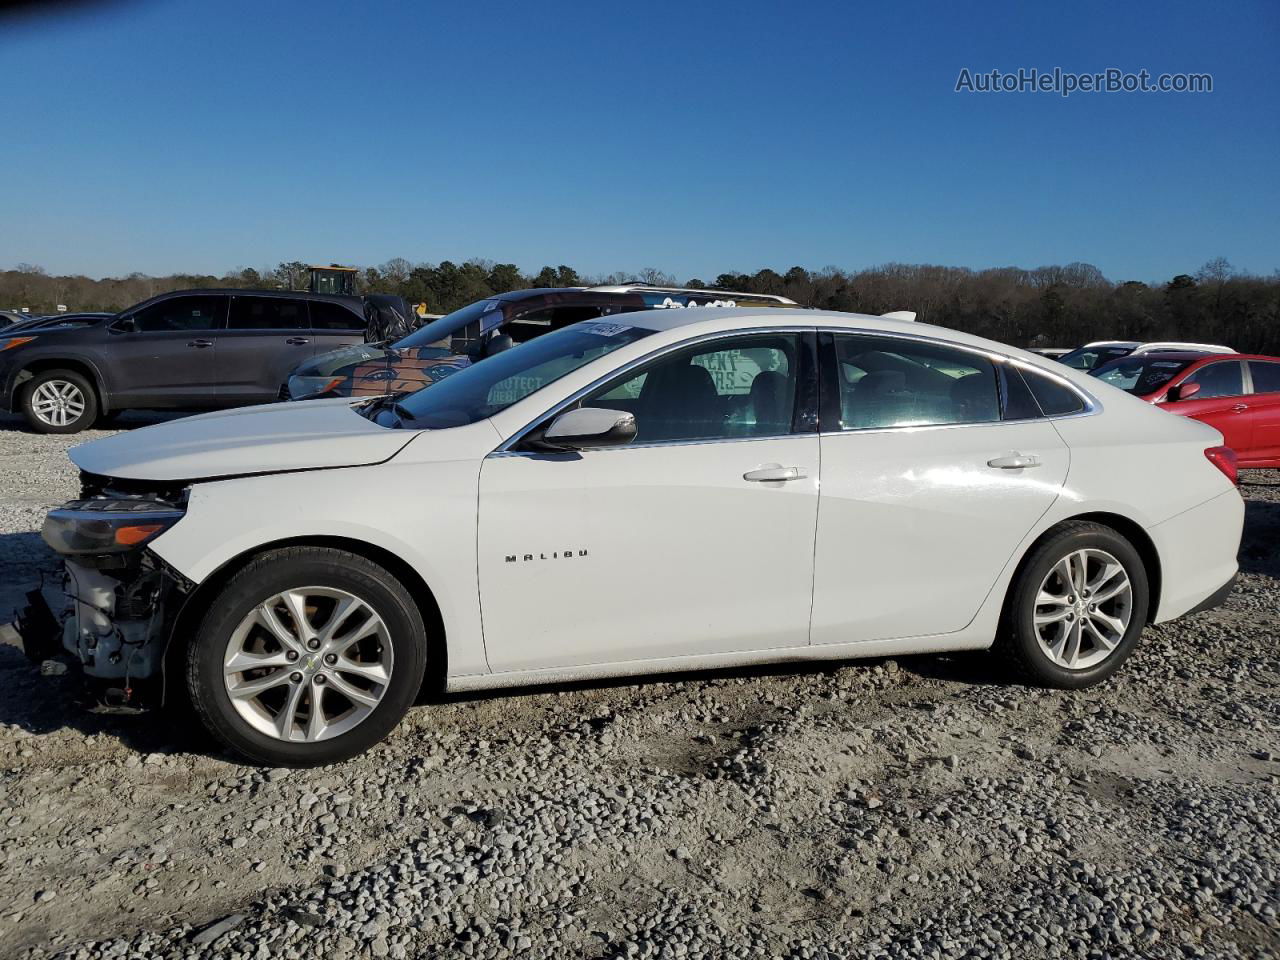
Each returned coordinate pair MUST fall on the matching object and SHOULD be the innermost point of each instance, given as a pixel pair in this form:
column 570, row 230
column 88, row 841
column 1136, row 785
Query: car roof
column 715, row 319
column 243, row 292
column 625, row 289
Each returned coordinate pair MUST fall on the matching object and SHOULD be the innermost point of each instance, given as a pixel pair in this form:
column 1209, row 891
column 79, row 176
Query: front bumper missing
column 115, row 625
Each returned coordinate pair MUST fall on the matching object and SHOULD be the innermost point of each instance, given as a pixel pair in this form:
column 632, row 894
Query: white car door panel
column 649, row 551
column 915, row 525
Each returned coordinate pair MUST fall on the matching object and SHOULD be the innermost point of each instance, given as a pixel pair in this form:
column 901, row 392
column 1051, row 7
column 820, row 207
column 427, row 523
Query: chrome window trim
column 1092, row 405
column 515, row 438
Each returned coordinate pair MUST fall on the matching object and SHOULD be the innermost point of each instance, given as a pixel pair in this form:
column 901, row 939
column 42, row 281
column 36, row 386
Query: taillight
column 1224, row 458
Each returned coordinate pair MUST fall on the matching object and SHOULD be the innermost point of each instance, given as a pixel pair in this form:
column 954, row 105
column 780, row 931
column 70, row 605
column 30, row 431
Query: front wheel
column 307, row 656
column 59, row 401
column 1076, row 608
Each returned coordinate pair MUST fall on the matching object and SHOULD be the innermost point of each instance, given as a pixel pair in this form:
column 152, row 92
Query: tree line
column 1045, row 306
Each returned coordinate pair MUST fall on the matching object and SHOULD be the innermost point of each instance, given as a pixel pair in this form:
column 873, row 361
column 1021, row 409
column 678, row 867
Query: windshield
column 1087, row 358
column 452, row 323
column 1140, row 375
column 484, row 389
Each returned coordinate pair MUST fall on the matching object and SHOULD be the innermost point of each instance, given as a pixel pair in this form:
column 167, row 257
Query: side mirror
column 590, row 427
column 125, row 325
column 1183, row 391
column 497, row 343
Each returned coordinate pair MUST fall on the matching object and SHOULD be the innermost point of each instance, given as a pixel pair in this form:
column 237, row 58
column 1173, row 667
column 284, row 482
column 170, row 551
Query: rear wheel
column 59, row 401
column 307, row 656
column 1076, row 608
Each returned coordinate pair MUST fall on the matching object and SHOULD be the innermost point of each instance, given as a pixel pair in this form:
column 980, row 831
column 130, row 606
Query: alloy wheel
column 1083, row 609
column 58, row 403
column 308, row 664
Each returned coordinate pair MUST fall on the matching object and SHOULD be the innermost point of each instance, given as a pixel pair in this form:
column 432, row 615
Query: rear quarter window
column 1055, row 399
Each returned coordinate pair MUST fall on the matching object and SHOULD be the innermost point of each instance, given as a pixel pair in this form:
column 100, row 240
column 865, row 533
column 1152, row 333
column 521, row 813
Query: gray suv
column 192, row 349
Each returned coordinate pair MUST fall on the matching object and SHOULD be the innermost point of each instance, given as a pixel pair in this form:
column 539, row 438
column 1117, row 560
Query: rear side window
column 886, row 382
column 1055, row 399
column 180, row 314
column 1222, row 379
column 334, row 316
column 1266, row 376
column 267, row 313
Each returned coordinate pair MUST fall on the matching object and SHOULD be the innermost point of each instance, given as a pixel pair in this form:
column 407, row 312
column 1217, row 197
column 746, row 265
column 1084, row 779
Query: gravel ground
column 913, row 808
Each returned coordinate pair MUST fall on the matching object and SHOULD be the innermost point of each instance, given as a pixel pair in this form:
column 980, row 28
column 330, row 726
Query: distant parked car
column 486, row 327
column 1053, row 353
column 1238, row 395
column 1093, row 355
column 9, row 317
column 191, row 349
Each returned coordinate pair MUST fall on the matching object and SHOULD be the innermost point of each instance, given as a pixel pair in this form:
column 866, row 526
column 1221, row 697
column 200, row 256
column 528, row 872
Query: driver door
column 677, row 544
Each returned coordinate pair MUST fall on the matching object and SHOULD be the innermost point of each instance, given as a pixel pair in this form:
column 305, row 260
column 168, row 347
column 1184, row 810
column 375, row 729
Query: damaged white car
column 669, row 491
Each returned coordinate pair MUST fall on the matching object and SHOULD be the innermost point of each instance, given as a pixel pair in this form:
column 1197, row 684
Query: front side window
column 267, row 313
column 1266, row 376
column 180, row 314
column 886, row 382
column 736, row 387
column 1222, row 379
column 485, row 389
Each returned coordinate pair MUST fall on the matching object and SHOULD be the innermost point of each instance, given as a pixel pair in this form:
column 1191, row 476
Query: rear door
column 1221, row 402
column 931, row 478
column 1264, row 413
column 164, row 354
column 264, row 338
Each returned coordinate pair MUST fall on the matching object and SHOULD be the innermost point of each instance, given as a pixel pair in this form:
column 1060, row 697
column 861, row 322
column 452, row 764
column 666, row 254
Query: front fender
column 387, row 506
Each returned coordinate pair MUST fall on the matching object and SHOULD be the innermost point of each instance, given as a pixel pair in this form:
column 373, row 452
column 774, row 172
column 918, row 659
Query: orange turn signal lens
column 133, row 535
column 14, row 342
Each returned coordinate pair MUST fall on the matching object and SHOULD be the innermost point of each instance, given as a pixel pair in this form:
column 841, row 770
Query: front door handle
column 1240, row 407
column 200, row 343
column 1015, row 461
column 297, row 341
column 774, row 472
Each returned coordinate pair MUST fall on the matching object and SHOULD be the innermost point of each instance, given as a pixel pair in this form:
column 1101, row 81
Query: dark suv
column 483, row 328
column 192, row 349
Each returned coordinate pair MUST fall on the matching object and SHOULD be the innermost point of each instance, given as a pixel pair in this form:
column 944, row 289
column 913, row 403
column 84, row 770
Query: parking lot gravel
column 914, row 808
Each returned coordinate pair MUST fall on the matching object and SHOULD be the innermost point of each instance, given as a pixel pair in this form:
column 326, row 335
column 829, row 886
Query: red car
column 1237, row 394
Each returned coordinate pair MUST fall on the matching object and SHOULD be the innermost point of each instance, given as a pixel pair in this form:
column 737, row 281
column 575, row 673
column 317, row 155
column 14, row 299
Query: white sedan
column 667, row 491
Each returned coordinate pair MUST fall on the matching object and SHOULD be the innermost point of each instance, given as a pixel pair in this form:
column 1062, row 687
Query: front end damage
column 121, row 600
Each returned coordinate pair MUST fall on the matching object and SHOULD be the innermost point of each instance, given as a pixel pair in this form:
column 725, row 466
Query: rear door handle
column 297, row 341
column 774, row 472
column 1015, row 461
column 200, row 343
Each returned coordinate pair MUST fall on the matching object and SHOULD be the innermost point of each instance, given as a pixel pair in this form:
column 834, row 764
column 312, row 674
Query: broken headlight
column 107, row 526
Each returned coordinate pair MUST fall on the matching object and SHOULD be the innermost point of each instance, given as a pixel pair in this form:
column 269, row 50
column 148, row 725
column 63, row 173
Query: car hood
column 275, row 438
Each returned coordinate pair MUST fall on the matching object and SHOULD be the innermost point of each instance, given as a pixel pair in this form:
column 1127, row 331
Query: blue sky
column 163, row 135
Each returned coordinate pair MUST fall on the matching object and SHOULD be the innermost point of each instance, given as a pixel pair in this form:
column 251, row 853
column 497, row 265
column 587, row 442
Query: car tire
column 59, row 401
column 267, row 714
column 1053, row 632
